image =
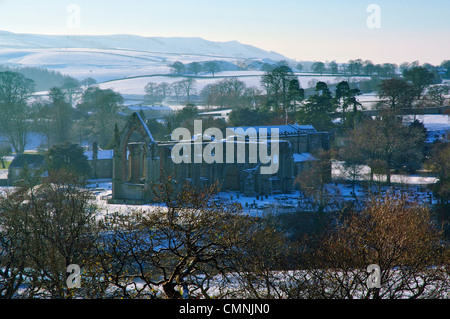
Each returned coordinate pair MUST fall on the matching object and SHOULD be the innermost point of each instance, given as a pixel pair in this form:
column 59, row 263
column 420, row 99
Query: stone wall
column 139, row 161
column 101, row 169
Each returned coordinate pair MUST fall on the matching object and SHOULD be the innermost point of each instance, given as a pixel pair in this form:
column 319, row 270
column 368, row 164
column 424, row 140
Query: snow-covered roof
column 149, row 107
column 290, row 129
column 303, row 157
column 101, row 154
column 31, row 160
column 145, row 127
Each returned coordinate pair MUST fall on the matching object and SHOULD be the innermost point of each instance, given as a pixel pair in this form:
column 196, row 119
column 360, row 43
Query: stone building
column 136, row 163
column 30, row 164
column 139, row 160
column 100, row 162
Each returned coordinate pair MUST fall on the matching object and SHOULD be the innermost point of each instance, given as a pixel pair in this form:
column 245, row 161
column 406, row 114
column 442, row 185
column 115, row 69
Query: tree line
column 183, row 90
column 416, row 87
column 198, row 247
column 280, row 96
column 360, row 67
column 211, row 67
column 44, row 78
column 385, row 144
column 73, row 111
column 195, row 246
column 80, row 111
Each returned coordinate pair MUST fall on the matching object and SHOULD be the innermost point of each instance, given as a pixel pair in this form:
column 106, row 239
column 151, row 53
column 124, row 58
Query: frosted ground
column 340, row 193
column 127, row 63
column 279, row 203
column 136, row 85
column 436, row 124
column 114, row 57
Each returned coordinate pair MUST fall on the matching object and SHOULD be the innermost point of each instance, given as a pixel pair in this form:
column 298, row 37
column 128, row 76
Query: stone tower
column 136, row 163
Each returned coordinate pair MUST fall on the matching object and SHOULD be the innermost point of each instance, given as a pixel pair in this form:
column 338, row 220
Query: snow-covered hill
column 174, row 45
column 112, row 57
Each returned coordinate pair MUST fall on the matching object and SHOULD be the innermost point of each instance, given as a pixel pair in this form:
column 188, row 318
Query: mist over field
column 333, row 117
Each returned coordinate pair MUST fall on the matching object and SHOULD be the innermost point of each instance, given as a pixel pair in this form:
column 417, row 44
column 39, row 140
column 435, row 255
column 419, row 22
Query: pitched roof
column 303, row 157
column 32, row 160
column 290, row 129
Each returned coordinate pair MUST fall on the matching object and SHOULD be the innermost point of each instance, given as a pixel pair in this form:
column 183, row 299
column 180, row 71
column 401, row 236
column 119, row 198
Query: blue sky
column 322, row 30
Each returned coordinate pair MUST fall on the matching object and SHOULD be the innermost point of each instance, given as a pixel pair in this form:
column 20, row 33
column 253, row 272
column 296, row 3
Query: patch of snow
column 339, row 172
column 303, row 157
column 101, row 154
column 3, row 174
column 437, row 125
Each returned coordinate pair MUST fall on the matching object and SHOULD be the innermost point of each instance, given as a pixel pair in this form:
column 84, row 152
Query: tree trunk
column 388, row 170
column 170, row 291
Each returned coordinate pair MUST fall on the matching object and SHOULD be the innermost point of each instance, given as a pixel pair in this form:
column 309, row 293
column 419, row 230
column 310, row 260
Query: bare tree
column 387, row 141
column 318, row 67
column 61, row 214
column 72, row 88
column 195, row 67
column 13, row 239
column 88, row 82
column 60, row 115
column 188, row 85
column 227, row 92
column 180, row 248
column 212, row 67
column 420, row 78
column 277, row 83
column 439, row 162
column 165, row 89
column 438, row 93
column 176, row 89
column 353, row 159
column 394, row 233
column 152, row 92
column 314, row 177
column 44, row 230
column 15, row 112
column 398, row 93
column 178, row 67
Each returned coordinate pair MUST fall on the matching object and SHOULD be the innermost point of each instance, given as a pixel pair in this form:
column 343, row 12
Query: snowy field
column 136, row 85
column 368, row 100
column 363, row 174
column 117, row 56
column 437, row 125
column 338, row 193
column 127, row 63
column 105, row 64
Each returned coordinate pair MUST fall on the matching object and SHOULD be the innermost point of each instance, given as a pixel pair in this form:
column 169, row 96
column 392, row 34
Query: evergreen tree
column 67, row 157
column 61, row 115
column 318, row 109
